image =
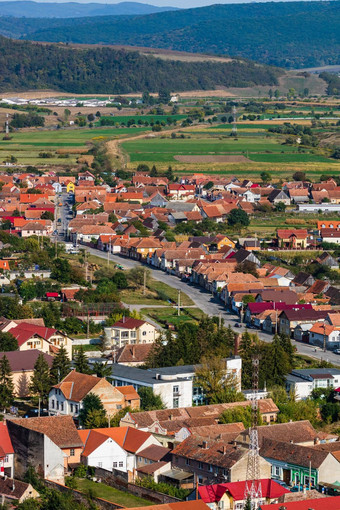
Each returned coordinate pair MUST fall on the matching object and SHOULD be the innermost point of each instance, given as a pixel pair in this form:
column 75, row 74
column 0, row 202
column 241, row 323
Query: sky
column 183, row 4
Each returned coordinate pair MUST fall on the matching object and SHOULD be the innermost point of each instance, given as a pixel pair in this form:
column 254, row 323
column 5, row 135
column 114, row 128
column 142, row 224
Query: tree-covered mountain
column 105, row 70
column 287, row 34
column 30, row 9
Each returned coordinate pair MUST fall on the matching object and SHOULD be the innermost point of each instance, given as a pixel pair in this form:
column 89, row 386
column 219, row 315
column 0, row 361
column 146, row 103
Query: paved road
column 212, row 306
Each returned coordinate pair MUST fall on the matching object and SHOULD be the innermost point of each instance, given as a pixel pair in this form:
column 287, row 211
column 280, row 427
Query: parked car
column 237, row 325
column 336, row 351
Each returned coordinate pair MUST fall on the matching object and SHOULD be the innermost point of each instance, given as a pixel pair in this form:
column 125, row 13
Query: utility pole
column 144, row 282
column 234, row 128
column 39, row 406
column 324, row 336
column 108, row 254
column 179, row 303
column 253, row 489
column 86, row 270
column 220, row 320
column 88, row 323
column 7, row 125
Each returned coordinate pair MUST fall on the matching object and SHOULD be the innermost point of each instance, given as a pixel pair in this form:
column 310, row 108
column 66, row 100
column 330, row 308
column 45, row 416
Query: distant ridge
column 285, row 34
column 30, row 9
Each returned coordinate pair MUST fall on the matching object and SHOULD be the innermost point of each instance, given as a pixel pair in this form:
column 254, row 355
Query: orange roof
column 128, row 438
column 27, row 198
column 322, row 328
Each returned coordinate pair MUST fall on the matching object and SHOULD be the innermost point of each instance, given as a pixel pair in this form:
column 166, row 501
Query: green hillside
column 26, row 65
column 286, row 34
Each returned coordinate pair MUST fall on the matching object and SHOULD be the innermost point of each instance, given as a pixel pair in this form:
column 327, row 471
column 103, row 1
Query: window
column 312, row 481
column 200, row 465
column 52, row 403
column 121, row 464
column 100, row 464
column 58, row 405
column 275, row 471
column 210, row 468
column 187, row 462
column 175, row 402
column 6, row 459
column 76, row 406
column 125, row 334
column 144, row 333
column 62, row 406
column 175, row 390
column 72, row 452
column 115, row 464
column 200, row 480
column 119, row 406
column 71, row 407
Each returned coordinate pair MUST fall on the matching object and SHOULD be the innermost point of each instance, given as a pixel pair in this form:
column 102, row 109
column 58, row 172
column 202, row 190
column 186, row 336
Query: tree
column 164, row 96
column 266, row 177
column 247, row 267
column 277, row 364
column 248, row 298
column 6, row 383
column 8, row 342
column 91, row 403
column 101, row 369
column 95, row 419
column 148, row 400
column 47, row 215
column 40, row 382
column 169, row 174
column 217, row 386
column 81, row 362
column 61, row 366
column 280, row 207
column 237, row 217
column 153, row 171
column 299, row 176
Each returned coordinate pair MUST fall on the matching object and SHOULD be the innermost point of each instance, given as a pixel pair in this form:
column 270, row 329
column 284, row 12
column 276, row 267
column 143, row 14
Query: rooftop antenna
column 253, row 490
column 234, row 128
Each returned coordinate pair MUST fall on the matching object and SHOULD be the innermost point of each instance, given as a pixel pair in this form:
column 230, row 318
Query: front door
column 286, row 476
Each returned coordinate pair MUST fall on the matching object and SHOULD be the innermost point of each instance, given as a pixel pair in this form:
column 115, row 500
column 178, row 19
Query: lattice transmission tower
column 253, row 490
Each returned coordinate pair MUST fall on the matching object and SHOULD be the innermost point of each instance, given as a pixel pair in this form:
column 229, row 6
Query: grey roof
column 138, row 375
column 180, row 206
column 316, row 371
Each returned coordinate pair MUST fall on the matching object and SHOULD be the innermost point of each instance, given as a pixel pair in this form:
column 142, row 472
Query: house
column 114, row 448
column 48, row 340
column 304, row 381
column 50, row 444
column 292, row 238
column 133, row 355
column 153, row 461
column 299, row 432
column 12, row 491
column 22, row 368
column 324, row 335
column 332, row 503
column 300, row 195
column 300, row 465
column 66, row 398
column 175, row 385
column 325, row 259
column 302, row 279
column 131, row 331
column 207, row 459
column 330, row 235
column 232, row 495
column 6, row 452
column 277, row 195
column 289, row 319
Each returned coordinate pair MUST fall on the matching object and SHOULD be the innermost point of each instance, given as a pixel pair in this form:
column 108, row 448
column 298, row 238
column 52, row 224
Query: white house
column 175, row 385
column 131, row 331
column 304, row 381
column 114, row 448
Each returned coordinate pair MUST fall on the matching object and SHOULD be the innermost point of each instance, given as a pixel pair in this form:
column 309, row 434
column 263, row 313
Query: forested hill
column 286, row 34
column 26, row 65
column 30, row 9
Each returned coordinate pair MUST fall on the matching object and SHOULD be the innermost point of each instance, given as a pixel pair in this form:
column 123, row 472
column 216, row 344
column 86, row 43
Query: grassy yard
column 170, row 292
column 170, row 315
column 110, row 494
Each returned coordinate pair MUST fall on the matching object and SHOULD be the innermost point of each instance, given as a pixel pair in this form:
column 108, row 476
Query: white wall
column 53, row 461
column 166, row 392
column 106, row 454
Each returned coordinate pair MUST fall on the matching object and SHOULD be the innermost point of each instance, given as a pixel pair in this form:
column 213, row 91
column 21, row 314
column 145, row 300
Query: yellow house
column 220, row 241
column 48, row 340
column 70, row 187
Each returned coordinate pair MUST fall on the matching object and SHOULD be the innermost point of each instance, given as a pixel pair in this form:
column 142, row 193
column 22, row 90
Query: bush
column 80, row 472
column 162, row 487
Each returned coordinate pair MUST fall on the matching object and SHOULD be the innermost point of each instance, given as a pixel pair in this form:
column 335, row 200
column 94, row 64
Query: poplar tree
column 80, row 361
column 61, row 366
column 40, row 382
column 6, row 383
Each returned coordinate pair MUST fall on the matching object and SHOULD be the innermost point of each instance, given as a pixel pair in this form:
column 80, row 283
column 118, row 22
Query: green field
column 26, row 146
column 143, row 118
column 255, row 148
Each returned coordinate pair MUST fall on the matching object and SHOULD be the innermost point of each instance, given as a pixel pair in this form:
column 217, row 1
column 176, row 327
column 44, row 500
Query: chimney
column 316, row 440
column 224, row 450
column 204, row 445
column 237, row 344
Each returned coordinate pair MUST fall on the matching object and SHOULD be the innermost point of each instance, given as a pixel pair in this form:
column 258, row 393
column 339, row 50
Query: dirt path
column 115, row 150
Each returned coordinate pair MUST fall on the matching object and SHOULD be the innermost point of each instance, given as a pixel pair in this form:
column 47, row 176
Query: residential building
column 332, row 503
column 300, row 465
column 66, row 398
column 289, row 319
column 292, row 238
column 324, row 335
column 133, row 355
column 13, row 491
column 131, row 331
column 153, row 461
column 50, row 444
column 232, row 495
column 48, row 340
column 115, row 448
column 209, row 459
column 22, row 368
column 6, row 452
column 304, row 381
column 175, row 385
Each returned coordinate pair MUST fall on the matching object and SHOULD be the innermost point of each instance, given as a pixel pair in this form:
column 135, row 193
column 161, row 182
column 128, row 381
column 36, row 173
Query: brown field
column 213, row 159
column 72, row 150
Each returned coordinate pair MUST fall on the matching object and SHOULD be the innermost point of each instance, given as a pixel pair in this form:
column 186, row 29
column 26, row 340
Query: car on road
column 336, row 351
column 237, row 325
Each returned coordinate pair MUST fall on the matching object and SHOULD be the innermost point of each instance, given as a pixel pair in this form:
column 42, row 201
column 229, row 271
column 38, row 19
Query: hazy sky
column 183, row 4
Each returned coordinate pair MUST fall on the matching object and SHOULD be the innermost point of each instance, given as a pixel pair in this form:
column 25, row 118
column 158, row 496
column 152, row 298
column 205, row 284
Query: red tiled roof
column 128, row 438
column 213, row 493
column 128, row 323
column 5, row 440
column 331, row 503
